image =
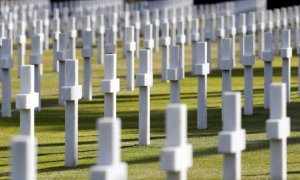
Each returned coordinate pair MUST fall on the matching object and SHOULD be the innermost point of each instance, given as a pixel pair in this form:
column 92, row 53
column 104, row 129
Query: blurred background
column 271, row 4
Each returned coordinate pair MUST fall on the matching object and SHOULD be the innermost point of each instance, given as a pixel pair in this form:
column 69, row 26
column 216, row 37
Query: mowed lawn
column 143, row 161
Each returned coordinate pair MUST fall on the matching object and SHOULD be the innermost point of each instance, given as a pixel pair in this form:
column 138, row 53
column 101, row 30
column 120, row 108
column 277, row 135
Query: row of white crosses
column 74, row 70
column 232, row 137
column 23, row 149
column 172, row 12
column 180, row 16
column 176, row 156
column 179, row 29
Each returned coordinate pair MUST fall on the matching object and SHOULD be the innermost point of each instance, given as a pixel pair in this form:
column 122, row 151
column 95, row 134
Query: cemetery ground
column 143, row 161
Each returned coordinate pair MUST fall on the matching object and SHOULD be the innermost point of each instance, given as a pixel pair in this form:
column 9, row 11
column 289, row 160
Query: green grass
column 143, row 161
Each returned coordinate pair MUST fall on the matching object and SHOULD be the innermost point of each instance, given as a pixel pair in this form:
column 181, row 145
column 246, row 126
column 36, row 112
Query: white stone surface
column 268, row 57
column 286, row 54
column 46, row 24
column 72, row 35
column 201, row 70
column 278, row 129
column 10, row 26
column 173, row 24
column 40, row 32
column 149, row 42
column 124, row 25
column 175, row 74
column 100, row 34
column 27, row 101
column 277, row 26
column 177, row 155
column 156, row 24
column 269, row 21
column 144, row 80
column 220, row 33
column 248, row 60
column 260, row 30
column 110, row 85
column 33, row 23
column 232, row 32
column 232, row 139
column 109, row 165
column 6, row 66
column 130, row 48
column 202, row 27
column 137, row 27
column 242, row 30
column 87, row 54
column 180, row 41
column 110, row 46
column 61, row 56
column 188, row 19
column 251, row 25
column 113, row 24
column 226, row 63
column 36, row 59
column 283, row 18
column 23, row 158
column 298, row 53
column 93, row 15
column 208, row 38
column 2, row 36
column 21, row 44
column 145, row 20
column 296, row 21
column 71, row 93
column 195, row 38
column 165, row 42
column 55, row 38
